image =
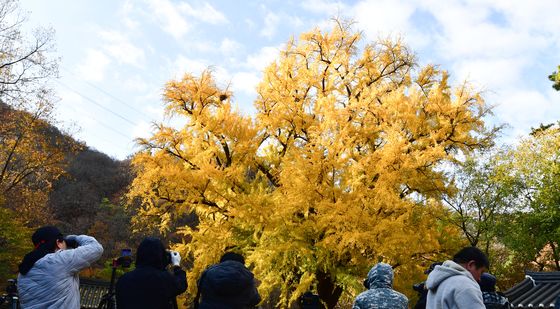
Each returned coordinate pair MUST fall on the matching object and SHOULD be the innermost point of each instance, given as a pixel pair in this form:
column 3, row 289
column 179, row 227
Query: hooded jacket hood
column 452, row 286
column 380, row 276
column 229, row 278
column 380, row 293
column 443, row 272
column 151, row 252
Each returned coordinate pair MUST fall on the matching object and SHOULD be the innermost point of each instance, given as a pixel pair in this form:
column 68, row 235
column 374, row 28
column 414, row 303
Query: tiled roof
column 91, row 292
column 537, row 290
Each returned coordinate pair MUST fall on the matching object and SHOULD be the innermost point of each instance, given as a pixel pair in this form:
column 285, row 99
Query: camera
column 419, row 287
column 11, row 296
column 170, row 255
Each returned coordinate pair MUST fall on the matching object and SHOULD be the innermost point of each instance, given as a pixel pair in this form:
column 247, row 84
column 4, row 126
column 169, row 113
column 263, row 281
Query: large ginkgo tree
column 340, row 167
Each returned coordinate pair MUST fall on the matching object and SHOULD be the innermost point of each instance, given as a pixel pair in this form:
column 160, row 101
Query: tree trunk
column 328, row 291
column 555, row 254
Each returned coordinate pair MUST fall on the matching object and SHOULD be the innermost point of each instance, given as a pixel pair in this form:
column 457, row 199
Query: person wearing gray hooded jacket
column 380, row 293
column 49, row 274
column 454, row 284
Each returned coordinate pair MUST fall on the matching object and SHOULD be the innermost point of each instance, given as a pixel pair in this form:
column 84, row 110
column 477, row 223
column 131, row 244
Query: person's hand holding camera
column 175, row 258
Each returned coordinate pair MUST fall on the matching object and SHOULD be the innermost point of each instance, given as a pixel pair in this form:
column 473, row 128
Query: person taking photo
column 150, row 285
column 48, row 275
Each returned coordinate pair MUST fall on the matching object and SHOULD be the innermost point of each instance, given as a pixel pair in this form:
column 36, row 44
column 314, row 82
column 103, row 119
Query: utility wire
column 148, row 117
column 94, row 102
column 103, row 125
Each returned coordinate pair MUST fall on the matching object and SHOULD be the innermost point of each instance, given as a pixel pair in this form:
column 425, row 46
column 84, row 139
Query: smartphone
column 126, row 252
column 125, row 259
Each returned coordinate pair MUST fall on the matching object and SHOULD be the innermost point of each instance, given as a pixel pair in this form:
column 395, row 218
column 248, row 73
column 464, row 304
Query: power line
column 105, row 126
column 94, row 102
column 110, row 142
column 148, row 117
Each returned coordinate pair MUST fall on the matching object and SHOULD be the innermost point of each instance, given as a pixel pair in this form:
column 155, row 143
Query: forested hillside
column 50, row 178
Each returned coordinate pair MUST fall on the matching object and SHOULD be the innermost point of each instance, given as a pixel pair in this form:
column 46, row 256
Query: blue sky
column 117, row 55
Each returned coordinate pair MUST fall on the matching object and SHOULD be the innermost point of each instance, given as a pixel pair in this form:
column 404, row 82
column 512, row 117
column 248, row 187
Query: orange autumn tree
column 338, row 169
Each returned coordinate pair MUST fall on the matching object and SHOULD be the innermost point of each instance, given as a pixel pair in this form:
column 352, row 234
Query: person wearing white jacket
column 48, row 275
column 454, row 284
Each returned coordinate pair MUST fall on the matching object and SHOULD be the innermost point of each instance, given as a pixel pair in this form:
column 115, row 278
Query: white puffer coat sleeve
column 53, row 281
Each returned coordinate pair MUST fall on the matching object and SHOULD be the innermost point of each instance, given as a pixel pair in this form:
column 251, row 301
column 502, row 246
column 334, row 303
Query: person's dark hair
column 468, row 254
column 232, row 256
column 44, row 239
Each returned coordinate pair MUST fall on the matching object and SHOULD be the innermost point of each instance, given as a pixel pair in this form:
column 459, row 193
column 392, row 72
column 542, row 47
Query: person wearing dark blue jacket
column 491, row 298
column 227, row 285
column 150, row 285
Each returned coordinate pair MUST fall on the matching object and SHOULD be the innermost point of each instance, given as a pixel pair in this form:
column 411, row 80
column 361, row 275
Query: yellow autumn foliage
column 338, row 169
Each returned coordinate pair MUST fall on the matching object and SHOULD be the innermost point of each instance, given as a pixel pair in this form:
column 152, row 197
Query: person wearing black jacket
column 227, row 285
column 150, row 285
column 421, row 288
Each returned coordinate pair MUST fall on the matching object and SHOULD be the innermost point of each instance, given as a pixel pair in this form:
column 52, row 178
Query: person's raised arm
column 179, row 277
column 87, row 252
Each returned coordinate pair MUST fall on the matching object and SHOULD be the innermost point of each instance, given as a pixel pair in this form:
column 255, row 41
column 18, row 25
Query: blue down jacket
column 380, row 294
column 53, row 281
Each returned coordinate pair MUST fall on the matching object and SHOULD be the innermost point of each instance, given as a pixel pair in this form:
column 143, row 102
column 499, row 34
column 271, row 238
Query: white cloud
column 526, row 108
column 94, row 66
column 505, row 47
column 469, row 30
column 119, row 47
column 250, row 24
column 325, row 7
column 126, row 16
column 142, row 129
column 245, row 82
column 385, row 17
column 222, row 76
column 136, row 84
column 183, row 65
column 207, row 13
column 169, row 17
column 229, row 47
column 295, row 22
column 172, row 17
column 499, row 46
column 265, row 56
column 492, row 73
column 538, row 15
column 72, row 107
column 271, row 22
